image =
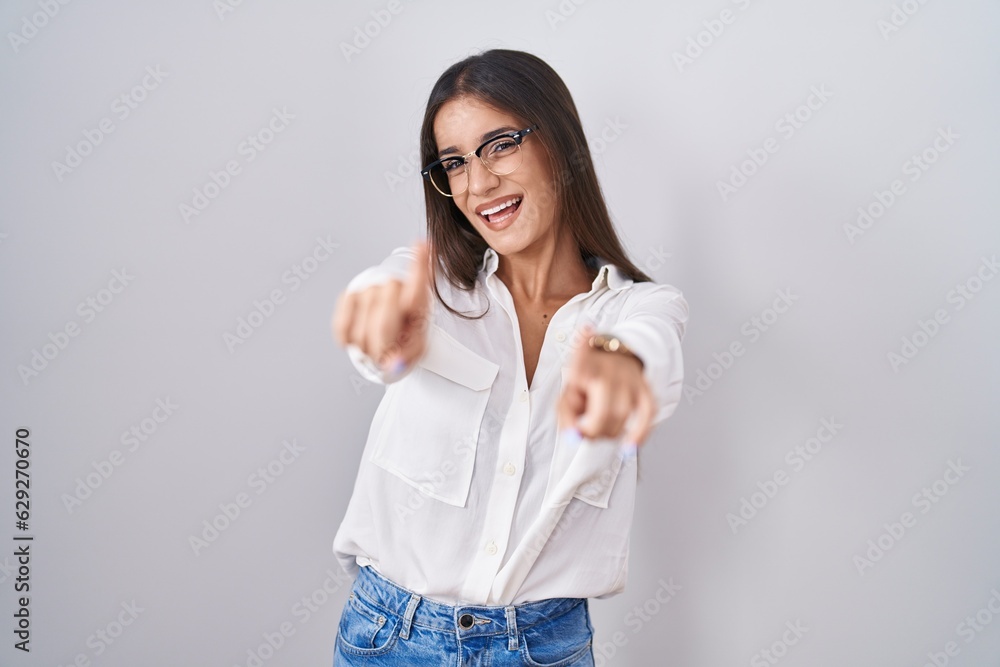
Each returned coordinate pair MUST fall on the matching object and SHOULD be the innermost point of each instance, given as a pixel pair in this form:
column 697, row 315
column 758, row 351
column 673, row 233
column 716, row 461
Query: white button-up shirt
column 463, row 494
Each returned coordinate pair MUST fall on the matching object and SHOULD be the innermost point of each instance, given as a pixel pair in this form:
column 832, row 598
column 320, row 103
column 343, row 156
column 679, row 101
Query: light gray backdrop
column 187, row 187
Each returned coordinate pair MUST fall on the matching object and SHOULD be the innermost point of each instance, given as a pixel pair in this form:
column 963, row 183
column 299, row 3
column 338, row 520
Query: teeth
column 497, row 209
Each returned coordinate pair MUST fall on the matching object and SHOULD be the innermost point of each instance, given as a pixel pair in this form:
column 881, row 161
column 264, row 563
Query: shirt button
column 491, row 548
column 560, row 336
column 509, row 468
column 524, row 396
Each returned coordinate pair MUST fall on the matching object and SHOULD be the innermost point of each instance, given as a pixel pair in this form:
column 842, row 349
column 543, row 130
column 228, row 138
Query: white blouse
column 463, row 494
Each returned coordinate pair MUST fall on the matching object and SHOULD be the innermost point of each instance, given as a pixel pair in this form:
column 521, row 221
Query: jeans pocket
column 365, row 629
column 561, row 642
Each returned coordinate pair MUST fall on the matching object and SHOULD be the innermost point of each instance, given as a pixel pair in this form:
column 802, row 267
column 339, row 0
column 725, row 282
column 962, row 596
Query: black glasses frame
column 518, row 137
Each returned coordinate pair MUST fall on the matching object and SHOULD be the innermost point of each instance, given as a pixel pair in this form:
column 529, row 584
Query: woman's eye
column 451, row 165
column 501, row 146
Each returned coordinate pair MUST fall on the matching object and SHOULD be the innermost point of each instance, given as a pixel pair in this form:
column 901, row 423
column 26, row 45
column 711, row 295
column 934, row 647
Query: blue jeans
column 384, row 624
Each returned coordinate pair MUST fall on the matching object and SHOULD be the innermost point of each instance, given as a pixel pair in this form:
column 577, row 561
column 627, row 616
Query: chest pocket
column 430, row 432
column 594, row 464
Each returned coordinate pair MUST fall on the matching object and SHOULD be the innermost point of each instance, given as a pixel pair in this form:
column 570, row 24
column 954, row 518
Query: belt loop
column 411, row 607
column 511, row 628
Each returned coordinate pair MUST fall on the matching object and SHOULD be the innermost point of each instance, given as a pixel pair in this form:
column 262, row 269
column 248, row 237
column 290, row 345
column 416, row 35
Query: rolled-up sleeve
column 395, row 266
column 652, row 325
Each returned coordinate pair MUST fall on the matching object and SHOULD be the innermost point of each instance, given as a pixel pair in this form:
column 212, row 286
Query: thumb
column 415, row 296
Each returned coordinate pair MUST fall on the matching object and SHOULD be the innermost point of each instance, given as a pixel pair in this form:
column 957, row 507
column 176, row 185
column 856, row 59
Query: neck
column 548, row 270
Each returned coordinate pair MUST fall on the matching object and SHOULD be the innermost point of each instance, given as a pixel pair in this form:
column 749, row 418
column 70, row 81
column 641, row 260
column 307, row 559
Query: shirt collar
column 609, row 274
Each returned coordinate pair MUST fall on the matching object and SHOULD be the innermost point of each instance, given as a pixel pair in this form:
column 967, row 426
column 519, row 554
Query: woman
column 480, row 524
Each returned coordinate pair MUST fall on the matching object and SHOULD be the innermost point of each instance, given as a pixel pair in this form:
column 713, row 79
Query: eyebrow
column 483, row 139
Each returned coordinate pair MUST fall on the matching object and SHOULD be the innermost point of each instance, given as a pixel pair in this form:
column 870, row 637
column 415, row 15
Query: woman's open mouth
column 502, row 213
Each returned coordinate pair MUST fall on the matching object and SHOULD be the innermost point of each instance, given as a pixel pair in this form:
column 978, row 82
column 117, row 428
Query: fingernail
column 397, row 365
column 627, row 451
column 571, row 436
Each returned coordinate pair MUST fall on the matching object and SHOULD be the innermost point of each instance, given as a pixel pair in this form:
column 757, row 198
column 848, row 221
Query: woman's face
column 460, row 126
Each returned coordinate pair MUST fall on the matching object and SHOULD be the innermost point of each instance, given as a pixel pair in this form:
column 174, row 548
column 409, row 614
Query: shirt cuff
column 371, row 371
column 652, row 326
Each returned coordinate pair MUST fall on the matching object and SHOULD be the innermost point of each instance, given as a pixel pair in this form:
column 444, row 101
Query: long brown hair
column 526, row 87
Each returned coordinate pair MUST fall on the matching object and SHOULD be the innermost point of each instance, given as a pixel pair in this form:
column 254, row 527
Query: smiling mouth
column 502, row 211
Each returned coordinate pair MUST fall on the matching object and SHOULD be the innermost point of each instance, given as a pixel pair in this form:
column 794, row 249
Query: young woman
column 497, row 484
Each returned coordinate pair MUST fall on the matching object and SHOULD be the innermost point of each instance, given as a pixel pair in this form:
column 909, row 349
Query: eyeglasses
column 500, row 155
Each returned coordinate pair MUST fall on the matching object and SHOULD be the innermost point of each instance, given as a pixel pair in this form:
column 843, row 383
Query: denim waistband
column 485, row 619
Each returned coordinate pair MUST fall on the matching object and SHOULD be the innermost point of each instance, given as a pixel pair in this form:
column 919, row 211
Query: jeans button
column 466, row 620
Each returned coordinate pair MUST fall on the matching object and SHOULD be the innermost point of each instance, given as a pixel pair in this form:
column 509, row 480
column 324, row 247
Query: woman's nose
column 481, row 179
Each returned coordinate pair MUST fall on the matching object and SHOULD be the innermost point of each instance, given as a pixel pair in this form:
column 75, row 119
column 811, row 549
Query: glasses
column 500, row 155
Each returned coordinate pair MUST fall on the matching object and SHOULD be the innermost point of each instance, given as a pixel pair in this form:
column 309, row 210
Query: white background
column 334, row 172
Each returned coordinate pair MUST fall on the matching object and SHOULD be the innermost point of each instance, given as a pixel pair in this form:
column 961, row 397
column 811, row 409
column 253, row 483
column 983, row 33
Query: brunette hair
column 526, row 87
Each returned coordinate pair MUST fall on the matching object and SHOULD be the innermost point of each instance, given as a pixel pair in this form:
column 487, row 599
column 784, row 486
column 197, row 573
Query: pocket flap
column 449, row 358
column 597, row 486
